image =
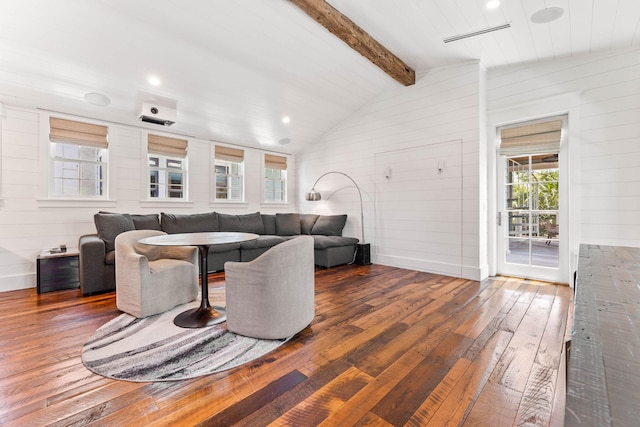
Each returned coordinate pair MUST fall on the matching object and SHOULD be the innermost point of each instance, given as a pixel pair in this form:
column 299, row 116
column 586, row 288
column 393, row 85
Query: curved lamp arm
column 313, row 195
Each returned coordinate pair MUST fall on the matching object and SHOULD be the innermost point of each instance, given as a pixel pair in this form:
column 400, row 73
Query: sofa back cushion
column 329, row 225
column 287, row 224
column 248, row 223
column 306, row 222
column 189, row 223
column 146, row 222
column 269, row 222
column 109, row 225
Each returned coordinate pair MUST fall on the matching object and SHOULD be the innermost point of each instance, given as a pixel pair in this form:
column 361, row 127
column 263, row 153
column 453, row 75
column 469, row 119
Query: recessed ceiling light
column 546, row 15
column 284, row 141
column 98, row 99
column 154, row 80
column 286, row 120
column 493, row 4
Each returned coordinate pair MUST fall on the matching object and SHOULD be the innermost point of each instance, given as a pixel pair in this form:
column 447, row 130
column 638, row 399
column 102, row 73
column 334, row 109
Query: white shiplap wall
column 444, row 105
column 604, row 92
column 29, row 222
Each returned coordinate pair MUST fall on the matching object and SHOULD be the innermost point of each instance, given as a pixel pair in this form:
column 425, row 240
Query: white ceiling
column 233, row 69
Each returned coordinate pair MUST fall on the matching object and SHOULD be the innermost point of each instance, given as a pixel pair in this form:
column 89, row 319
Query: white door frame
column 567, row 104
column 550, row 274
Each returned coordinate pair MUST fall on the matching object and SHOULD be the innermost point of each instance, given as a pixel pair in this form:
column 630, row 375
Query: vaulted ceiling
column 234, row 69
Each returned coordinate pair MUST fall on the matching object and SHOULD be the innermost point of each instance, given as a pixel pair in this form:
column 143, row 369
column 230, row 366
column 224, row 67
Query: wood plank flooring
column 388, row 347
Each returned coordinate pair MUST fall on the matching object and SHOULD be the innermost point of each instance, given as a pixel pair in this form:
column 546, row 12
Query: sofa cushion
column 324, row 242
column 269, row 222
column 224, row 247
column 146, row 222
column 329, row 225
column 189, row 223
column 265, row 241
column 110, row 258
column 248, row 223
column 287, row 224
column 306, row 222
column 109, row 225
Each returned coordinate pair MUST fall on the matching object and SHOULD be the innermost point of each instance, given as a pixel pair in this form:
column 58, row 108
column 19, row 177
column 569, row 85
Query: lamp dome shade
column 313, row 196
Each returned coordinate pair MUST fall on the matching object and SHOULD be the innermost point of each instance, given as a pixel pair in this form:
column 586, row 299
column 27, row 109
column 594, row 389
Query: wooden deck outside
column 388, row 347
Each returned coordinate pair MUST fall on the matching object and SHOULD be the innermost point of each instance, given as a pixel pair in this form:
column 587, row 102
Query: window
column 167, row 167
column 275, row 179
column 78, row 159
column 229, row 174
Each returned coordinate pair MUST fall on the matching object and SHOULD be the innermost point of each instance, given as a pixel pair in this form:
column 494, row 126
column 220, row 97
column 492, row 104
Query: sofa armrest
column 92, row 266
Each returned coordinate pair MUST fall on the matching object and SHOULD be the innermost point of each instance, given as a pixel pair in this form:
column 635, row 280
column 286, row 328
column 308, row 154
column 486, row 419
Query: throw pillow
column 146, row 222
column 189, row 223
column 109, row 225
column 269, row 222
column 306, row 222
column 329, row 225
column 287, row 224
column 248, row 223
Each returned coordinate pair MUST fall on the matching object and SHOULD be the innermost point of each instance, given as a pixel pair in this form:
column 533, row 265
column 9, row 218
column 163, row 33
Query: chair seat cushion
column 165, row 264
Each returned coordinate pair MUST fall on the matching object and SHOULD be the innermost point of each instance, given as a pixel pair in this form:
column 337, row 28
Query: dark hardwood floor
column 388, row 347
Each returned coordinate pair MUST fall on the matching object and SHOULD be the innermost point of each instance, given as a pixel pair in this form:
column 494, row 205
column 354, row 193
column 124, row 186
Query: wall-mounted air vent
column 476, row 33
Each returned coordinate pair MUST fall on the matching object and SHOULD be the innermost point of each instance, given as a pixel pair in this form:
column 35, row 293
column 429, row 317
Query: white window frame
column 266, row 180
column 163, row 170
column 229, row 177
column 55, row 159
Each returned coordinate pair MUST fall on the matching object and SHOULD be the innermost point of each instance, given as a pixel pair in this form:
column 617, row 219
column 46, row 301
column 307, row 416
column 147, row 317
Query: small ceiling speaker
column 546, row 15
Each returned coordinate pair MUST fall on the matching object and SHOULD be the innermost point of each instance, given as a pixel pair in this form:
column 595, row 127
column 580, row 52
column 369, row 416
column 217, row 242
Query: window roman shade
column 230, row 154
column 538, row 138
column 78, row 133
column 172, row 147
column 275, row 162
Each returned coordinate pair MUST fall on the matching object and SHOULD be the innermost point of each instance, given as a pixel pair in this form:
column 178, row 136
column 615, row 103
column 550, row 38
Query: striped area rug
column 154, row 349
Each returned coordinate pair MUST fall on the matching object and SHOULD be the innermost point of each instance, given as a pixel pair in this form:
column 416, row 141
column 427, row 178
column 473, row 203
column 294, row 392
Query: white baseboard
column 454, row 270
column 419, row 265
column 19, row 281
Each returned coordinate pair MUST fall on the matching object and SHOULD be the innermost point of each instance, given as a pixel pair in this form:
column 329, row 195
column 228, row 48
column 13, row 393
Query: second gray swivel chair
column 272, row 297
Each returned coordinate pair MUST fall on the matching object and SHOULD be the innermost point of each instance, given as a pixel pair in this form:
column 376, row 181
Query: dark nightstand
column 57, row 271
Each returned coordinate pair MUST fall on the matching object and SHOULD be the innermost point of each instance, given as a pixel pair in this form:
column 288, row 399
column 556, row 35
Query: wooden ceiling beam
column 358, row 39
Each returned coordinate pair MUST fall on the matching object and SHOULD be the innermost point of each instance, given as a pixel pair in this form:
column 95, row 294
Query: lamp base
column 363, row 254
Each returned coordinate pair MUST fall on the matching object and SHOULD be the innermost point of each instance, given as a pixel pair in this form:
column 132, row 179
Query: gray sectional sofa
column 97, row 254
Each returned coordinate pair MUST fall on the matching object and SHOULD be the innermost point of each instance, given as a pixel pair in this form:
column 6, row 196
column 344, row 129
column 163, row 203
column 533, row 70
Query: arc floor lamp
column 363, row 250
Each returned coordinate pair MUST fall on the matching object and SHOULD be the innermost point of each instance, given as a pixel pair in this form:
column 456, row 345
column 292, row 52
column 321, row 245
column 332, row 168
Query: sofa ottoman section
column 330, row 251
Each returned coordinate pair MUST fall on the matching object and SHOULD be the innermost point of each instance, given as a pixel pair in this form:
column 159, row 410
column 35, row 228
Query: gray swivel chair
column 272, row 297
column 153, row 279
